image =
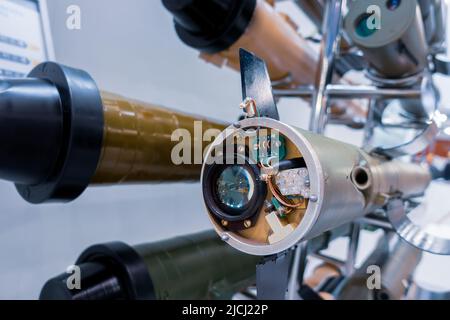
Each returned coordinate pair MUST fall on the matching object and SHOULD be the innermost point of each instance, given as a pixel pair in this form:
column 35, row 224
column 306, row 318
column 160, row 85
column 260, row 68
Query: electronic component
column 294, row 182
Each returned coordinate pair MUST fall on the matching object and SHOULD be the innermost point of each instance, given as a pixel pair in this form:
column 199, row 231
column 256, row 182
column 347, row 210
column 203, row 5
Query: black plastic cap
column 111, row 271
column 213, row 25
column 96, row 283
column 31, row 130
column 73, row 135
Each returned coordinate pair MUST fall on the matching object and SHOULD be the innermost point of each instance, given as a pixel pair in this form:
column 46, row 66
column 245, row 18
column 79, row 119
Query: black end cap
column 82, row 135
column 96, row 282
column 211, row 26
column 110, row 271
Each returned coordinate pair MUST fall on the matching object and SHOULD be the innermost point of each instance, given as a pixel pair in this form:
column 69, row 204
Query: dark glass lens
column 362, row 27
column 393, row 4
column 235, row 187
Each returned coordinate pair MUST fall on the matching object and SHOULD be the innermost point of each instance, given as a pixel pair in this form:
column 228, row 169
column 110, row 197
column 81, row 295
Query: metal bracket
column 416, row 145
column 415, row 235
column 272, row 276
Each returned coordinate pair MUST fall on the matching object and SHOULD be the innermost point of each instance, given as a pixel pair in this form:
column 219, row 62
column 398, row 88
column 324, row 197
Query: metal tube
column 396, row 261
column 327, row 259
column 434, row 16
column 377, row 222
column 305, row 92
column 369, row 92
column 394, row 46
column 352, row 249
column 329, row 47
column 336, row 91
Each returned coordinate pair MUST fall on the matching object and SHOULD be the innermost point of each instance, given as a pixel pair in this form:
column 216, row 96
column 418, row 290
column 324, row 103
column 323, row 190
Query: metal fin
column 256, row 84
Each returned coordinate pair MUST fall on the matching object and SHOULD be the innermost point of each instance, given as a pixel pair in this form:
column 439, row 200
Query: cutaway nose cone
column 31, row 130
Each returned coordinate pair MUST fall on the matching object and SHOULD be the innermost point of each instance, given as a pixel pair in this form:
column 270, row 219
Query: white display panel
column 24, row 37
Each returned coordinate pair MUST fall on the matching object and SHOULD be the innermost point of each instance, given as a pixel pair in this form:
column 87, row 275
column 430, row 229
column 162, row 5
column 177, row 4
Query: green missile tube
column 194, row 267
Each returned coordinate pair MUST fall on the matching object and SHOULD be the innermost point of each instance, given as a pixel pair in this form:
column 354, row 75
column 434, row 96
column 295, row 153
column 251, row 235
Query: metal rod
column 338, row 263
column 376, row 222
column 293, row 281
column 352, row 248
column 329, row 47
column 336, row 91
column 357, row 123
column 302, row 251
column 305, row 92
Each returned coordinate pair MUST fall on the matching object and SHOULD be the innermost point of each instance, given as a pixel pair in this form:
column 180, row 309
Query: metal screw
column 224, row 223
column 313, row 198
column 249, row 107
column 247, row 223
column 307, row 183
column 225, row 237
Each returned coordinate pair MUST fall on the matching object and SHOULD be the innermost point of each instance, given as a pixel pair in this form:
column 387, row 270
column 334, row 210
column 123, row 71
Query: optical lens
column 362, row 27
column 235, row 187
column 393, row 4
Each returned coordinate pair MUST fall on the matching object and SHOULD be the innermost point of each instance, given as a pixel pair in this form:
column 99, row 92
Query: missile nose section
column 31, row 130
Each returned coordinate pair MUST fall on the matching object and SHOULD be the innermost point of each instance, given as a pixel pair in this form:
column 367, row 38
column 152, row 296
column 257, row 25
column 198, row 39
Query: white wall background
column 130, row 48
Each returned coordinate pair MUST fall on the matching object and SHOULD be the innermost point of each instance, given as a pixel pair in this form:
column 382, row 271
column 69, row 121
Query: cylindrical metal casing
column 199, row 266
column 335, row 199
column 399, row 268
column 396, row 259
column 137, row 143
column 394, row 177
column 434, row 16
column 397, row 47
